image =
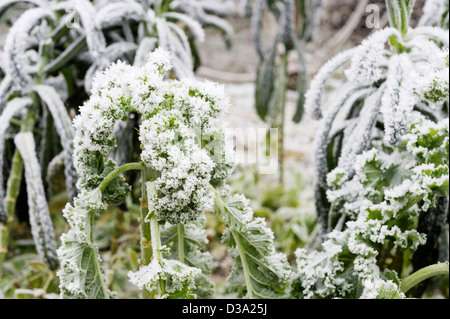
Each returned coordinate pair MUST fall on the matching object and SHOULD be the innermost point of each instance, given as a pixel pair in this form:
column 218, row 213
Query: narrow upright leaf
column 259, row 272
column 40, row 220
column 63, row 124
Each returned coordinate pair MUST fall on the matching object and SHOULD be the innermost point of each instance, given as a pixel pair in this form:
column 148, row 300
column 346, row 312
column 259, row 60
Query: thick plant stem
column 4, row 231
column 12, row 192
column 180, row 229
column 127, row 167
column 96, row 261
column 423, row 274
column 146, row 244
column 155, row 238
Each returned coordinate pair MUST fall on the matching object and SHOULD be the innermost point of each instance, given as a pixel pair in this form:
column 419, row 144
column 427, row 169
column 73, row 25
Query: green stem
column 4, row 231
column 96, row 260
column 180, row 229
column 127, row 167
column 155, row 238
column 146, row 244
column 13, row 188
column 423, row 274
column 158, row 7
column 13, row 184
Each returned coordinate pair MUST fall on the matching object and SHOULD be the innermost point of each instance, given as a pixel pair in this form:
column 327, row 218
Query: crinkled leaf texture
column 180, row 278
column 259, row 271
column 179, row 122
column 193, row 242
column 40, row 220
column 391, row 187
column 390, row 74
column 80, row 274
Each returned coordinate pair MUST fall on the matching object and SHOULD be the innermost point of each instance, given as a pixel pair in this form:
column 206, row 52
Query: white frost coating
column 432, row 12
column 432, row 85
column 41, row 224
column 381, row 289
column 194, row 26
column 348, row 95
column 397, row 102
column 362, row 133
column 94, row 37
column 16, row 44
column 6, row 86
column 179, row 117
column 435, row 33
column 113, row 14
column 182, row 277
column 64, row 128
column 11, row 109
column 373, row 204
column 370, row 57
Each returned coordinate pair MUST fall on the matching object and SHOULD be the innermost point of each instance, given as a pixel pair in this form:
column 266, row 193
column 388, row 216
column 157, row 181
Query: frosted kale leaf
column 391, row 187
column 80, row 273
column 259, row 271
column 179, row 277
column 183, row 144
column 187, row 242
column 391, row 73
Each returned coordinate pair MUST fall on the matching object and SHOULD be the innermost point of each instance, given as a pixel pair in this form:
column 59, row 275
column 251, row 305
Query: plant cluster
column 51, row 54
column 179, row 119
column 104, row 94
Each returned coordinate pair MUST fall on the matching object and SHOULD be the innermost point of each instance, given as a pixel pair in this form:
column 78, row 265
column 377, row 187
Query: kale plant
column 393, row 186
column 51, row 54
column 393, row 72
column 184, row 161
column 381, row 165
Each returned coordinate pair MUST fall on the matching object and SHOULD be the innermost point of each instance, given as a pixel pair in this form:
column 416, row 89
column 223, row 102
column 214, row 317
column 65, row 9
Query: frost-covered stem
column 155, row 239
column 96, row 261
column 146, row 244
column 180, row 230
column 423, row 274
